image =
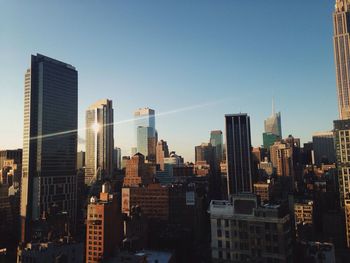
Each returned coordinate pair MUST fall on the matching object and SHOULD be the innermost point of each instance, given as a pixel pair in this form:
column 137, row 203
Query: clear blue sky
column 230, row 56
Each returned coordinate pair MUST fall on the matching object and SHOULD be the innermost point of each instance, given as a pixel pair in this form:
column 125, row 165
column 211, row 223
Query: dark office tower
column 238, row 153
column 49, row 141
column 217, row 142
column 323, row 143
column 341, row 39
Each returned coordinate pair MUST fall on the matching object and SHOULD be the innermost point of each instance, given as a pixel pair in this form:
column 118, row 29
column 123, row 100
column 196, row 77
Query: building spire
column 273, row 106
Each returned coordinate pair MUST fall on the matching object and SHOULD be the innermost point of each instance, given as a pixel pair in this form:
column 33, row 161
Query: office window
column 219, row 243
column 219, row 233
column 220, row 254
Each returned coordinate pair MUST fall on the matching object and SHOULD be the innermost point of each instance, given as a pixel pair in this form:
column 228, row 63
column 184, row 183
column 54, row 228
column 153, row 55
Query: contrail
column 188, row 108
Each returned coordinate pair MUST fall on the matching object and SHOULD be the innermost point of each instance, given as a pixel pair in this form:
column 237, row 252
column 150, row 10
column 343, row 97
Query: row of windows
column 95, row 232
column 94, row 248
column 95, row 227
column 244, row 235
column 95, row 243
column 95, row 215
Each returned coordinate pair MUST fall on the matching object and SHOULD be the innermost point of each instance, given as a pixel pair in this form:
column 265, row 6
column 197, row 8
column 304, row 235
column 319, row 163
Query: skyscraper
column 323, row 144
column 99, row 141
column 49, row 140
column 143, row 136
column 341, row 40
column 162, row 152
column 273, row 128
column 238, row 153
column 217, row 141
column 273, row 124
column 146, row 134
column 145, row 117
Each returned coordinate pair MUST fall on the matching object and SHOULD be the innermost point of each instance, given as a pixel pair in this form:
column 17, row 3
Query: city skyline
column 227, row 89
column 146, row 133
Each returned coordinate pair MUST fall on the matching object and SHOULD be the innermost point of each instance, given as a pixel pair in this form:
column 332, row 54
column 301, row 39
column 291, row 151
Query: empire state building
column 341, row 22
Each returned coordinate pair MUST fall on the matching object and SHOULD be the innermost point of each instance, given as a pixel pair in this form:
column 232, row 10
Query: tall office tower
column 323, row 145
column 117, row 158
column 104, row 226
column 217, row 141
column 146, row 134
column 273, row 123
column 145, row 117
column 341, row 40
column 49, row 141
column 147, row 143
column 99, row 141
column 273, row 128
column 162, row 152
column 238, row 153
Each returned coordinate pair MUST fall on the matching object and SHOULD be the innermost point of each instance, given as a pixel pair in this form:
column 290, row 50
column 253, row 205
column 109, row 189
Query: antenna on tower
column 273, row 106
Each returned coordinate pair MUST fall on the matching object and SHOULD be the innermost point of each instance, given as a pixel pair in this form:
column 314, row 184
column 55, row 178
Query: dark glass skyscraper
column 238, row 152
column 49, row 141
